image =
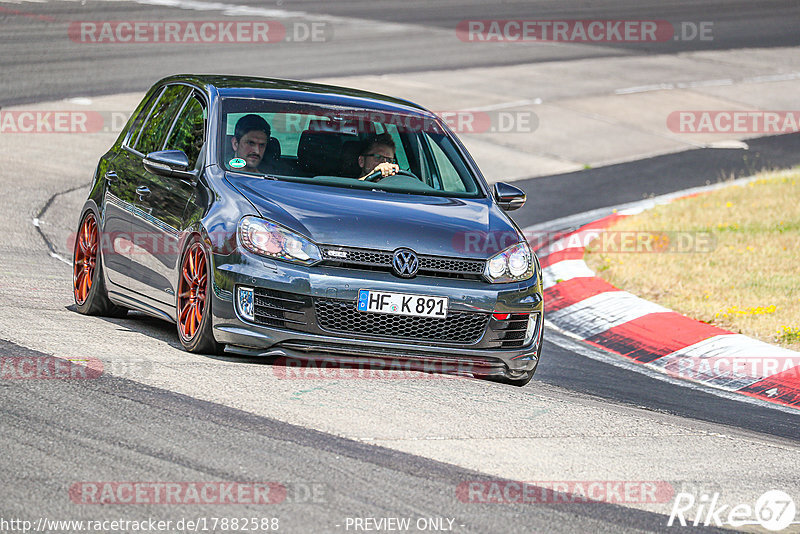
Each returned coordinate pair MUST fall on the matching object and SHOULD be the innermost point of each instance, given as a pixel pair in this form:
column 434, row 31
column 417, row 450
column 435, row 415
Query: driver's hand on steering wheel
column 385, row 168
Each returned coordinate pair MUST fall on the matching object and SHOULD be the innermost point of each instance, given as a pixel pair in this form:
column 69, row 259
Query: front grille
column 381, row 260
column 450, row 265
column 281, row 309
column 341, row 316
column 358, row 256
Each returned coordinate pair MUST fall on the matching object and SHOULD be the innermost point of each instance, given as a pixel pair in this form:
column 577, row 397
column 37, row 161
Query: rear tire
column 88, row 286
column 193, row 302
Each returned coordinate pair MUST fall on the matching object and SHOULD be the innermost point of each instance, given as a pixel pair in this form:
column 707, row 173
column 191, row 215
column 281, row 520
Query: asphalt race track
column 352, row 449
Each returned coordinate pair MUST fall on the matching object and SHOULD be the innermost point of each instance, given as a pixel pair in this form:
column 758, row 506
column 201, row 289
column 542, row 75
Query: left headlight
column 514, row 264
column 268, row 239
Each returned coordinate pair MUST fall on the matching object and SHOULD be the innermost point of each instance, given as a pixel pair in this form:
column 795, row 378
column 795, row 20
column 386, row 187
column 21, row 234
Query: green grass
column 747, row 276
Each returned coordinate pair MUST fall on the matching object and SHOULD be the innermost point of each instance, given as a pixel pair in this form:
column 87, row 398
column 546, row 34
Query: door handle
column 111, row 176
column 142, row 191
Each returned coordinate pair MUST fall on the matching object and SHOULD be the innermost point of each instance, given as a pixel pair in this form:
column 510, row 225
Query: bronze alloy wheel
column 85, row 259
column 192, row 290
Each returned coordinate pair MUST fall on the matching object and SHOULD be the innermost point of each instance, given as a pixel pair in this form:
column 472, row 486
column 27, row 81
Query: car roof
column 295, row 91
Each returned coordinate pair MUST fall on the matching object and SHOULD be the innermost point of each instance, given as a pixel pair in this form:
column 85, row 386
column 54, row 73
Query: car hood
column 473, row 228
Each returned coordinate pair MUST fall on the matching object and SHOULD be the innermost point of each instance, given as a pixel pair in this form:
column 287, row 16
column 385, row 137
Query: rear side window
column 151, row 138
column 140, row 118
column 188, row 132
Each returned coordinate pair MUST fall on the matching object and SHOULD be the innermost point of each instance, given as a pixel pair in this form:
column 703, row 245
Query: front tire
column 518, row 380
column 88, row 287
column 194, row 300
column 522, row 377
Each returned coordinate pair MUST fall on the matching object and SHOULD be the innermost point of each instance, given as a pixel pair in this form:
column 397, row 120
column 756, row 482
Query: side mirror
column 508, row 197
column 173, row 163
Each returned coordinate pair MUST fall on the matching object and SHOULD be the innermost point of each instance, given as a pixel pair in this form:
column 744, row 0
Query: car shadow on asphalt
column 305, row 367
column 301, row 367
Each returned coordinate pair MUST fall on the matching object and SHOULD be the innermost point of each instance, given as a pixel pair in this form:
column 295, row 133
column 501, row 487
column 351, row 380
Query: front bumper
column 308, row 339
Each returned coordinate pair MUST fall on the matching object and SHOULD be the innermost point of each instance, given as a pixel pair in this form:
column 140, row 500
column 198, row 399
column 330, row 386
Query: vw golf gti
column 282, row 218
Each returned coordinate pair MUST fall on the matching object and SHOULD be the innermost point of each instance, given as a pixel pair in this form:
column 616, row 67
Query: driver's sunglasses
column 381, row 158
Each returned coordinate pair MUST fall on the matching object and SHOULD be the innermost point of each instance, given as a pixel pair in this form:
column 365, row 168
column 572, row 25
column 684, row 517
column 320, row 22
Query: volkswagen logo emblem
column 405, row 263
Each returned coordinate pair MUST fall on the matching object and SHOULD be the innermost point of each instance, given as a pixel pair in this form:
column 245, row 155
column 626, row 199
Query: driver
column 249, row 140
column 378, row 157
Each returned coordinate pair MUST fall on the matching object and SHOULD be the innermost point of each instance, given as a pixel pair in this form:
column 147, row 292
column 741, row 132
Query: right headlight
column 514, row 264
column 273, row 241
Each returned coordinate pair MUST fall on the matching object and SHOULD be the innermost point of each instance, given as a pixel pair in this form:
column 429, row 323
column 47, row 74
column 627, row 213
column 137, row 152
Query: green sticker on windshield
column 237, row 163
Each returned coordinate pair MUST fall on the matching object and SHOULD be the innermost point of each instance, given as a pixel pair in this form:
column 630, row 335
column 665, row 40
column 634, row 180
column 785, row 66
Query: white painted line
column 227, row 9
column 505, row 105
column 233, row 10
column 601, row 312
column 60, row 258
column 707, row 83
column 784, row 77
column 564, row 270
column 729, row 144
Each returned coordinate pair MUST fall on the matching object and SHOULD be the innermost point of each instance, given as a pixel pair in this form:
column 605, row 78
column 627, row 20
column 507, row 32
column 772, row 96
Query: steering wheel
column 378, row 175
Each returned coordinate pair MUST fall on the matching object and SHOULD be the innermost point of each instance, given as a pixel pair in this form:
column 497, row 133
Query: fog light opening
column 244, row 301
column 530, row 332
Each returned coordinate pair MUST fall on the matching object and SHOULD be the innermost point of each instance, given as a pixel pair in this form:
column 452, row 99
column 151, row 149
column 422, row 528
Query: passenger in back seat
column 378, row 156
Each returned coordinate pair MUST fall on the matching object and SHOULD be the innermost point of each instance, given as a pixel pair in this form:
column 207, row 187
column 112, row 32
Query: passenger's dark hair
column 248, row 123
column 382, row 139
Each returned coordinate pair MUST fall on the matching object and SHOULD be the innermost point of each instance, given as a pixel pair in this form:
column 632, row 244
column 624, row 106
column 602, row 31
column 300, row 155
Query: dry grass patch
column 742, row 270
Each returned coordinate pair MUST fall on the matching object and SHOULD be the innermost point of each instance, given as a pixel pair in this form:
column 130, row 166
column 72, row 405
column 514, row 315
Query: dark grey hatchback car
column 280, row 218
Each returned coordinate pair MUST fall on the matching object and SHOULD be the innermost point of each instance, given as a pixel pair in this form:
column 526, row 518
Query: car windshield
column 339, row 146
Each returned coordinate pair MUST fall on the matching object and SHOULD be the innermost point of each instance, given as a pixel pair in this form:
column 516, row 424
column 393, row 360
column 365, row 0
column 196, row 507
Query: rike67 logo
column 774, row 510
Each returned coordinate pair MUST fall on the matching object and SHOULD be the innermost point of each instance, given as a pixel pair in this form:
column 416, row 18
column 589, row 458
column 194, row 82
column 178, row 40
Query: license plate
column 402, row 304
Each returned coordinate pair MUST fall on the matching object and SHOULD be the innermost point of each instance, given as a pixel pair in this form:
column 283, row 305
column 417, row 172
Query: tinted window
column 188, row 132
column 155, row 129
column 140, row 118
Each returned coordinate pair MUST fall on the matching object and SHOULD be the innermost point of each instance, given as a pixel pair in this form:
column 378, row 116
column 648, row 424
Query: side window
column 140, row 118
column 188, row 132
column 153, row 132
